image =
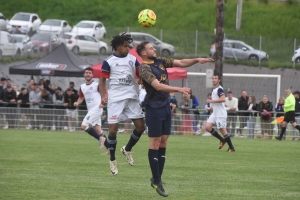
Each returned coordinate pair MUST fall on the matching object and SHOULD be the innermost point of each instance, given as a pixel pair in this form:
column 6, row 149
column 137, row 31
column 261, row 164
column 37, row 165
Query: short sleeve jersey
column 91, row 95
column 121, row 72
column 219, row 109
column 151, row 71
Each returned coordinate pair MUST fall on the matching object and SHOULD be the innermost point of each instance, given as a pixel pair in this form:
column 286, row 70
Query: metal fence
column 184, row 122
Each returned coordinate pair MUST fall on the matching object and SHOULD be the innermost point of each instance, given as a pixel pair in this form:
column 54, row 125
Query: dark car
column 44, row 42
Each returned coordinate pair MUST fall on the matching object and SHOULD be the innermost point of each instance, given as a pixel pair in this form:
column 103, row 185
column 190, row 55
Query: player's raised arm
column 188, row 62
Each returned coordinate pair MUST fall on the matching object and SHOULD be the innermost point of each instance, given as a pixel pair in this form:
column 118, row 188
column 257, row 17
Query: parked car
column 26, row 23
column 44, row 42
column 23, row 41
column 3, row 22
column 164, row 48
column 92, row 28
column 55, row 26
column 296, row 56
column 8, row 45
column 84, row 43
column 240, row 50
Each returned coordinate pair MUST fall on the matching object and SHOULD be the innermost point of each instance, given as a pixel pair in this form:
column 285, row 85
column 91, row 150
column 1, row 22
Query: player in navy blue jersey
column 154, row 77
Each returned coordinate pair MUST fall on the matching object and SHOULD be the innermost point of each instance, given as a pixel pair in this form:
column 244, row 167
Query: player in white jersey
column 219, row 115
column 92, row 121
column 120, row 69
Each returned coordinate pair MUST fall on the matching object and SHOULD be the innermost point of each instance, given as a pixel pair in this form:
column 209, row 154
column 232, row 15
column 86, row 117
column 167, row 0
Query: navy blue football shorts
column 158, row 121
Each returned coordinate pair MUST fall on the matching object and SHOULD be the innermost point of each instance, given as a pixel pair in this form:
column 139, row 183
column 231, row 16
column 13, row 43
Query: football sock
column 134, row 138
column 161, row 159
column 105, row 143
column 297, row 127
column 154, row 165
column 92, row 133
column 112, row 143
column 282, row 131
column 216, row 134
column 228, row 140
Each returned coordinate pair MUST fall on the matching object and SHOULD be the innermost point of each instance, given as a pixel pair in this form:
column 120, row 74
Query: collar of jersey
column 90, row 83
column 148, row 62
column 120, row 56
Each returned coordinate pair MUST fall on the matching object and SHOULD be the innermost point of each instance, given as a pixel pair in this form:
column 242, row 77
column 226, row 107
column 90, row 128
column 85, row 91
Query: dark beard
column 152, row 57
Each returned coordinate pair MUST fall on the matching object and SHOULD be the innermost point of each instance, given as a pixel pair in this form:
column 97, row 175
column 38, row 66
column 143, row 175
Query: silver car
column 239, row 50
column 162, row 48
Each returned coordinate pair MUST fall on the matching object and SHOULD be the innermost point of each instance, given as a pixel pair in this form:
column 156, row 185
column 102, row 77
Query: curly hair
column 120, row 39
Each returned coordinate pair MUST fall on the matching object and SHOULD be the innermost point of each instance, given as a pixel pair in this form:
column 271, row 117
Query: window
column 99, row 26
column 138, row 37
column 238, row 46
column 88, row 38
column 21, row 17
column 150, row 39
column 34, row 18
column 10, row 39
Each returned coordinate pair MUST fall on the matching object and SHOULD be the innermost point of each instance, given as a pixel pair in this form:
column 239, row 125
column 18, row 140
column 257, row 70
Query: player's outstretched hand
column 205, row 60
column 138, row 81
column 185, row 90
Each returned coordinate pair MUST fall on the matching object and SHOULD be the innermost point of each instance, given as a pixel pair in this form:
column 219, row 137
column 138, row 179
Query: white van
column 8, row 45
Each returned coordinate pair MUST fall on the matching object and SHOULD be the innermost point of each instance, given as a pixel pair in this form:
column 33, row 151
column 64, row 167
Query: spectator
column 58, row 101
column 173, row 106
column 31, row 82
column 46, row 111
column 47, row 87
column 34, row 99
column 265, row 107
column 252, row 107
column 8, row 81
column 142, row 94
column 71, row 85
column 280, row 112
column 70, row 98
column 243, row 113
column 297, row 113
column 208, row 108
column 53, row 87
column 10, row 97
column 188, row 118
column 41, row 87
column 1, row 103
column 16, row 89
column 3, row 82
column 23, row 102
column 195, row 103
column 231, row 105
column 41, row 81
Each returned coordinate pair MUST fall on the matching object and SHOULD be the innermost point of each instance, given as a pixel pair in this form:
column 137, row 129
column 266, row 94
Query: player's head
column 120, row 44
column 88, row 73
column 216, row 78
column 146, row 50
column 288, row 91
column 296, row 94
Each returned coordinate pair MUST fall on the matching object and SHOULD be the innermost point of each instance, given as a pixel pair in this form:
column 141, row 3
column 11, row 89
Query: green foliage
column 63, row 165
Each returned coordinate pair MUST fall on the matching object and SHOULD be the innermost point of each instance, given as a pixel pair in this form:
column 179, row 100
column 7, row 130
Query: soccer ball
column 147, row 18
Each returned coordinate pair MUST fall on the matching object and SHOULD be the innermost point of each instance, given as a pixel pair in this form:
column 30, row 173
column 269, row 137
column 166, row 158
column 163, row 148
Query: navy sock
column 154, row 165
column 216, row 134
column 228, row 140
column 112, row 143
column 161, row 159
column 105, row 143
column 297, row 127
column 93, row 133
column 134, row 138
column 282, row 131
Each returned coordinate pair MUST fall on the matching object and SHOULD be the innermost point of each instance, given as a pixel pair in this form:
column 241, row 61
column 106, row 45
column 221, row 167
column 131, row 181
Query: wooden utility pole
column 219, row 39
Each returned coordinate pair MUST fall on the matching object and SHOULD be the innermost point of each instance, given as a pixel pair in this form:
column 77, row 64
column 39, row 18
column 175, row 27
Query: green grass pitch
column 64, row 165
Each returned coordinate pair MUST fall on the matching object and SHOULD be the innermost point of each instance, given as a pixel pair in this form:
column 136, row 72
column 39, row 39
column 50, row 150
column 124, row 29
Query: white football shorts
column 220, row 122
column 123, row 110
column 93, row 117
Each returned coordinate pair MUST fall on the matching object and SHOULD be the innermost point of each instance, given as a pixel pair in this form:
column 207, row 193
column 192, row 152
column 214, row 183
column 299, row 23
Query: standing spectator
column 41, row 81
column 10, row 97
column 265, row 107
column 243, row 113
column 231, row 105
column 188, row 118
column 252, row 107
column 1, row 103
column 31, row 82
column 46, row 109
column 71, row 111
column 72, row 85
column 195, row 103
column 53, row 87
column 8, row 81
column 34, row 99
column 58, row 101
column 297, row 112
column 3, row 82
column 47, row 86
column 280, row 112
column 173, row 105
column 208, row 109
column 23, row 102
column 16, row 89
column 41, row 87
